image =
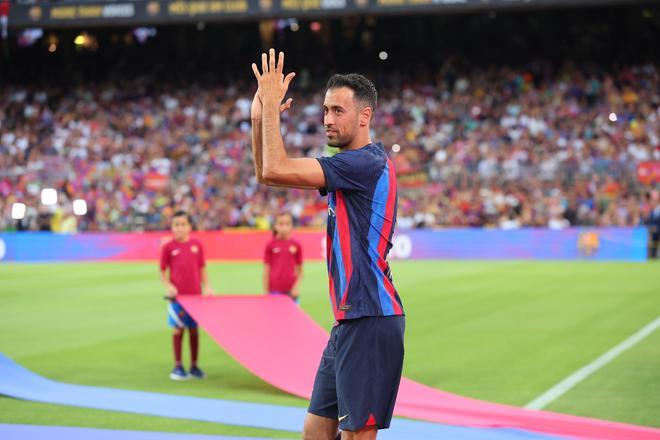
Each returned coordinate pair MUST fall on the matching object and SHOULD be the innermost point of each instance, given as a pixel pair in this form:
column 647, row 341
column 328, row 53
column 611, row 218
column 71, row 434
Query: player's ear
column 365, row 116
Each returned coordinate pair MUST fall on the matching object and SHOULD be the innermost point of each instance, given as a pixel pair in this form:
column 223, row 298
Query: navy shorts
column 358, row 379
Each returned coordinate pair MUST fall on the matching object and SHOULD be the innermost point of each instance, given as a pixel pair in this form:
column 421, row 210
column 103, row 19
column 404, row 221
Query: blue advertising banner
column 602, row 244
column 591, row 244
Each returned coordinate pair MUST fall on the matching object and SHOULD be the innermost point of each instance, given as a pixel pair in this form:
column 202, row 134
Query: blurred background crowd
column 520, row 142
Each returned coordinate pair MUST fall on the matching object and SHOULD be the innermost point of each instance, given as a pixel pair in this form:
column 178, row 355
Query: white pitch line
column 556, row 391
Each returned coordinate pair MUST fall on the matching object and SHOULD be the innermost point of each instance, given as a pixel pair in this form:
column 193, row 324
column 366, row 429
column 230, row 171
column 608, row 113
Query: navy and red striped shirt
column 362, row 205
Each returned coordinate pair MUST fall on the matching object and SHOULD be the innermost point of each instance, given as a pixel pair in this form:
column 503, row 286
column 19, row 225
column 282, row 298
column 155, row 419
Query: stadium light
column 18, row 211
column 52, row 41
column 80, row 40
column 142, row 34
column 29, row 36
column 87, row 41
column 48, row 196
column 383, row 55
column 79, row 207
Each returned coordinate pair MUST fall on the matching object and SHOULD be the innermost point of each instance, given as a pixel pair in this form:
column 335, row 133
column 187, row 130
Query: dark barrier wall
column 623, row 244
column 79, row 13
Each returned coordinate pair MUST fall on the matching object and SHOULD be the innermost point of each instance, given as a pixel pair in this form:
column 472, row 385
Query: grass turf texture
column 499, row 331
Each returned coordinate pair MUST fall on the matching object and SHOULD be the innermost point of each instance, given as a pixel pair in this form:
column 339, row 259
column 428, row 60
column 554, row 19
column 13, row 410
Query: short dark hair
column 182, row 213
column 283, row 213
column 363, row 89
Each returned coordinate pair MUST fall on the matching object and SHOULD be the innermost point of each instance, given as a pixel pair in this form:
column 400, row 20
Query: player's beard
column 340, row 141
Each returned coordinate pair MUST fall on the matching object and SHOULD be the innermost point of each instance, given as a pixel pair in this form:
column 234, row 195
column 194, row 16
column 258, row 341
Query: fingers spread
column 271, row 59
column 286, row 105
column 280, row 63
column 264, row 63
column 255, row 69
column 288, row 79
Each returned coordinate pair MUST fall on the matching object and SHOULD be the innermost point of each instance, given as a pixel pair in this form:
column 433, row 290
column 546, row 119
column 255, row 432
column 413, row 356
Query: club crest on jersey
column 293, row 249
column 276, row 250
column 176, row 252
column 194, row 249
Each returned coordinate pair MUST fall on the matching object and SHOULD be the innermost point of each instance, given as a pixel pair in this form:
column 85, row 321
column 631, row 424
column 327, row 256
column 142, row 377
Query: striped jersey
column 362, row 205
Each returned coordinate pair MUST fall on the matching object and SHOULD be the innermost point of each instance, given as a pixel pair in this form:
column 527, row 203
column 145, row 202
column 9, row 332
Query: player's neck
column 282, row 237
column 182, row 239
column 359, row 142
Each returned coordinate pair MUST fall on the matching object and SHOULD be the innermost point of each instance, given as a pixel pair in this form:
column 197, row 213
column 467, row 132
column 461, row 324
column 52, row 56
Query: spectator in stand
column 4, row 18
column 473, row 147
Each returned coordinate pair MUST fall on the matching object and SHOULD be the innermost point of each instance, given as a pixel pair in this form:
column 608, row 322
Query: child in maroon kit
column 283, row 260
column 185, row 258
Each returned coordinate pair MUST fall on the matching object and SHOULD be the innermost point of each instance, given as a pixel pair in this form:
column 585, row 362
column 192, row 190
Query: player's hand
column 295, row 293
column 257, row 107
column 273, row 85
column 209, row 291
column 172, row 291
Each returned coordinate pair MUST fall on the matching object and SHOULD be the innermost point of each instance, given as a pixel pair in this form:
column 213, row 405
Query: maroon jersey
column 282, row 256
column 185, row 261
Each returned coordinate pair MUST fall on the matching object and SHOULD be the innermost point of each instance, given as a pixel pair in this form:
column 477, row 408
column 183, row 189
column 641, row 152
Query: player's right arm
column 266, row 277
column 170, row 289
column 276, row 168
column 256, row 115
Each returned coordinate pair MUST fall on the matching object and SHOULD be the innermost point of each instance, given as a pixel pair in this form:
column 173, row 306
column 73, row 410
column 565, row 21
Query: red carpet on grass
column 274, row 339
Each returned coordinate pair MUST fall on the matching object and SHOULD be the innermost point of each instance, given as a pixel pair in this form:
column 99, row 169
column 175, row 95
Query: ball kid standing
column 184, row 256
column 283, row 260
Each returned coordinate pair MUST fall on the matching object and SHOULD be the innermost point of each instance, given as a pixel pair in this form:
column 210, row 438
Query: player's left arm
column 278, row 168
column 206, row 284
column 295, row 290
column 298, row 271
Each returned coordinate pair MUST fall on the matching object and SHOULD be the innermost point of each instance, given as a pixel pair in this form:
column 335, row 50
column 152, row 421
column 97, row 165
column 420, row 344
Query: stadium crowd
column 495, row 147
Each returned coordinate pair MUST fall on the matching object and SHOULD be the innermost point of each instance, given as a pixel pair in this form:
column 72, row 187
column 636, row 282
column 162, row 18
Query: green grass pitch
column 499, row 331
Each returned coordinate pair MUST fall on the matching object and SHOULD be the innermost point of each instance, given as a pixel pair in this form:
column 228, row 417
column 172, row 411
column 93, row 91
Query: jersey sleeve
column 202, row 258
column 348, row 170
column 267, row 254
column 164, row 257
column 299, row 255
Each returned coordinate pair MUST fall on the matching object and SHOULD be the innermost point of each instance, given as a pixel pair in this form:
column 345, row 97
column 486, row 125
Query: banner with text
column 144, row 12
column 604, row 244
